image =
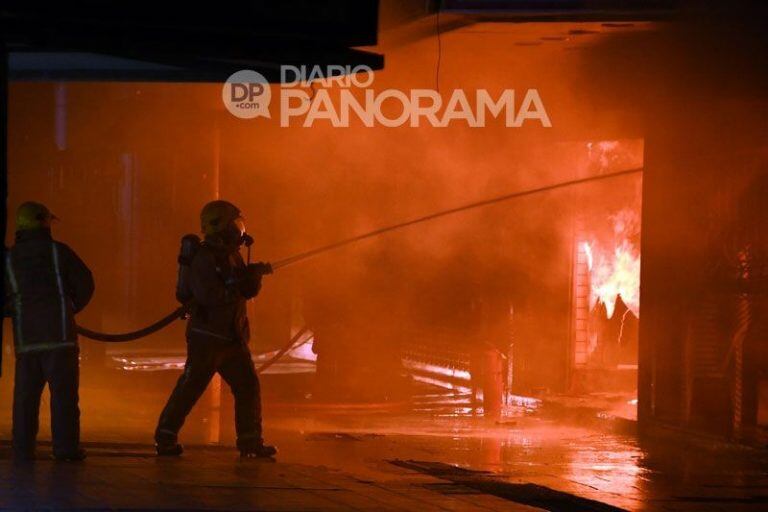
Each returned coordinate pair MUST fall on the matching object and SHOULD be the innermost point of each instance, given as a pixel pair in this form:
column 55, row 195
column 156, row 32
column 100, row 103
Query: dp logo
column 246, row 94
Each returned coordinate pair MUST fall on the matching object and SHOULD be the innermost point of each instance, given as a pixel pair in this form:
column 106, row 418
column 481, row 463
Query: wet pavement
column 131, row 478
column 430, row 453
column 615, row 469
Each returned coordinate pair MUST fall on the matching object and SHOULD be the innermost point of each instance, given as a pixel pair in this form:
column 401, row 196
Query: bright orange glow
column 616, row 270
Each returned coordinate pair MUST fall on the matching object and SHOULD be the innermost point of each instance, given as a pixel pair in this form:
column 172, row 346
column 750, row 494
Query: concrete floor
column 425, row 455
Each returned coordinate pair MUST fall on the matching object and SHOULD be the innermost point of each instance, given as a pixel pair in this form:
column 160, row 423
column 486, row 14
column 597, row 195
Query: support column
column 3, row 163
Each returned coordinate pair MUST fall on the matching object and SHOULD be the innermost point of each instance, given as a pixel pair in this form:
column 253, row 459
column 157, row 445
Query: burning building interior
column 503, row 235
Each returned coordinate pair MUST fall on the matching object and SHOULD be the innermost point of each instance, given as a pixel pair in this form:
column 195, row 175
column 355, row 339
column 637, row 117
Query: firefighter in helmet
column 218, row 284
column 46, row 284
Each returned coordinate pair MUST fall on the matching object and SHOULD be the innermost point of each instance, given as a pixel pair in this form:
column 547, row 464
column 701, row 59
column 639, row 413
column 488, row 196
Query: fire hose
column 133, row 335
column 181, row 311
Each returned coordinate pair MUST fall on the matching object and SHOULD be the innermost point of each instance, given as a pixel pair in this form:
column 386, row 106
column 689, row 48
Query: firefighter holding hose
column 217, row 283
column 46, row 284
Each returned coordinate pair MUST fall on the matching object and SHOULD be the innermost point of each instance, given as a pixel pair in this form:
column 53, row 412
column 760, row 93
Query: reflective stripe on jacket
column 46, row 284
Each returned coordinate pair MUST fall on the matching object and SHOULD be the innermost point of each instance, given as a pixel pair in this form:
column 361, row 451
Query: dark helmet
column 32, row 215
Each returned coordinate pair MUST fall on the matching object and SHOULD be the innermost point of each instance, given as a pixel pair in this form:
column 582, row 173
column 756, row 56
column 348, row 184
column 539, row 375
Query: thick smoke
column 141, row 159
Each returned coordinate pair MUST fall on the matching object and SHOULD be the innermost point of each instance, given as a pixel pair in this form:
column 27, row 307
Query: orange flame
column 616, row 271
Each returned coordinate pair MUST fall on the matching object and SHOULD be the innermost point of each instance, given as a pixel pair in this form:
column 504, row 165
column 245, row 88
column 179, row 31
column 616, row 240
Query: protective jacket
column 221, row 284
column 46, row 284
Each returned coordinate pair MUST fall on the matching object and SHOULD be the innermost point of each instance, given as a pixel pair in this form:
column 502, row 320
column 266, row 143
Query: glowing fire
column 616, row 271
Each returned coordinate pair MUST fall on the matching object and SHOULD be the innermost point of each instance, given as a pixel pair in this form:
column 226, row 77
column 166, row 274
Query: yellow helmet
column 218, row 216
column 31, row 215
